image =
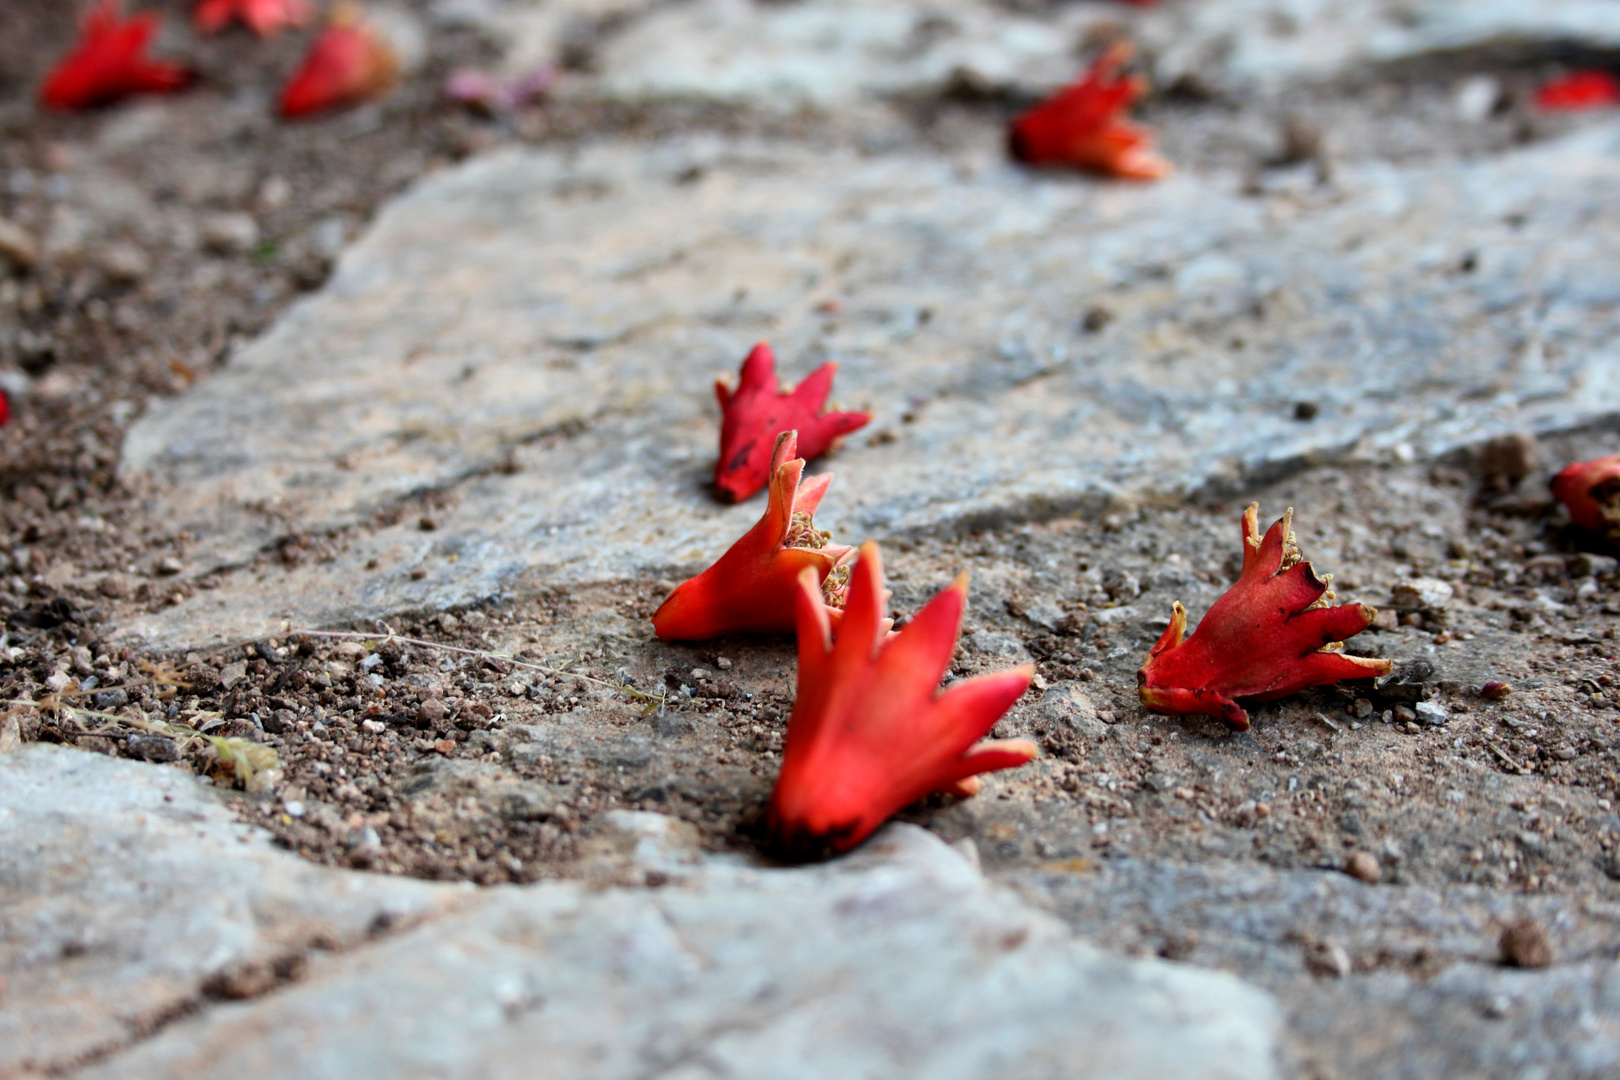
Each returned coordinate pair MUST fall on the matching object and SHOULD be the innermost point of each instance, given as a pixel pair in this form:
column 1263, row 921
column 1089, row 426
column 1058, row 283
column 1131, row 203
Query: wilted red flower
column 751, row 588
column 263, row 17
column 754, row 414
column 1578, row 91
column 347, row 64
column 1083, row 125
column 871, row 731
column 1272, row 634
column 110, row 62
column 1590, row 490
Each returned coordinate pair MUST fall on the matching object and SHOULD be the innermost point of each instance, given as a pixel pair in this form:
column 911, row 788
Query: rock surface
column 842, row 54
column 130, row 894
column 899, row 961
column 1422, row 990
column 533, row 336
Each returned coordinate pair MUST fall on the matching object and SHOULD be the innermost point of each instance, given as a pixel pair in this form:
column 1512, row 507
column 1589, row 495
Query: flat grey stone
column 1266, row 44
column 1425, row 994
column 562, row 314
column 838, row 54
column 125, row 888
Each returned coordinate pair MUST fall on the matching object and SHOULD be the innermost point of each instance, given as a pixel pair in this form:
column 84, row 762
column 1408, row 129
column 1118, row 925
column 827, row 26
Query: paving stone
column 1425, row 993
column 143, row 930
column 1267, row 44
column 898, row 962
column 126, row 889
column 534, row 335
column 838, row 54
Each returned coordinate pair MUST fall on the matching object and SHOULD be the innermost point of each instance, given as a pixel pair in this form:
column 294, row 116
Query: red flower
column 871, row 731
column 110, row 62
column 751, row 588
column 754, row 414
column 1272, row 634
column 1083, row 125
column 5, row 408
column 263, row 17
column 347, row 64
column 1591, row 492
column 1579, row 90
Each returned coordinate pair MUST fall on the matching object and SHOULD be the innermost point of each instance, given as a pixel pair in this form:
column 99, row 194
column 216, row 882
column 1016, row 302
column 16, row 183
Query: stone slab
column 1426, row 993
column 125, row 887
column 899, row 962
column 1266, row 45
column 843, row 54
column 534, row 335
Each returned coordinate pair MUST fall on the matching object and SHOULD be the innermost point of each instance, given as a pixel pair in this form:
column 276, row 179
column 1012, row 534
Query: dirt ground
column 414, row 758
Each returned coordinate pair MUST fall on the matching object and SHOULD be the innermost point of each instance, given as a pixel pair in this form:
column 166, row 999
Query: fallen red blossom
column 348, row 63
column 1083, row 126
column 755, row 413
column 1273, row 633
column 1579, row 91
column 109, row 62
column 871, row 731
column 263, row 17
column 1590, row 491
column 751, row 588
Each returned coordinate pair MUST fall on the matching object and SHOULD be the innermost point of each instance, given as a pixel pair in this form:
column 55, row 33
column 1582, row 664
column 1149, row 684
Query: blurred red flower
column 347, row 64
column 1578, row 91
column 1083, row 125
column 109, row 62
column 1590, row 490
column 263, row 17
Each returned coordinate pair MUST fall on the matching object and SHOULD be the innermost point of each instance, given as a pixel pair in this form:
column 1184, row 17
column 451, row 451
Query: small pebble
column 1524, row 944
column 16, row 246
column 230, row 233
column 1431, row 713
column 1327, row 958
column 123, row 263
column 1363, row 866
column 429, row 713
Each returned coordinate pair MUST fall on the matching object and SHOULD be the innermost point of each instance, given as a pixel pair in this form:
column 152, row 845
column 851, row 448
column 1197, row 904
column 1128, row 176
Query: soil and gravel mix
column 481, row 744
